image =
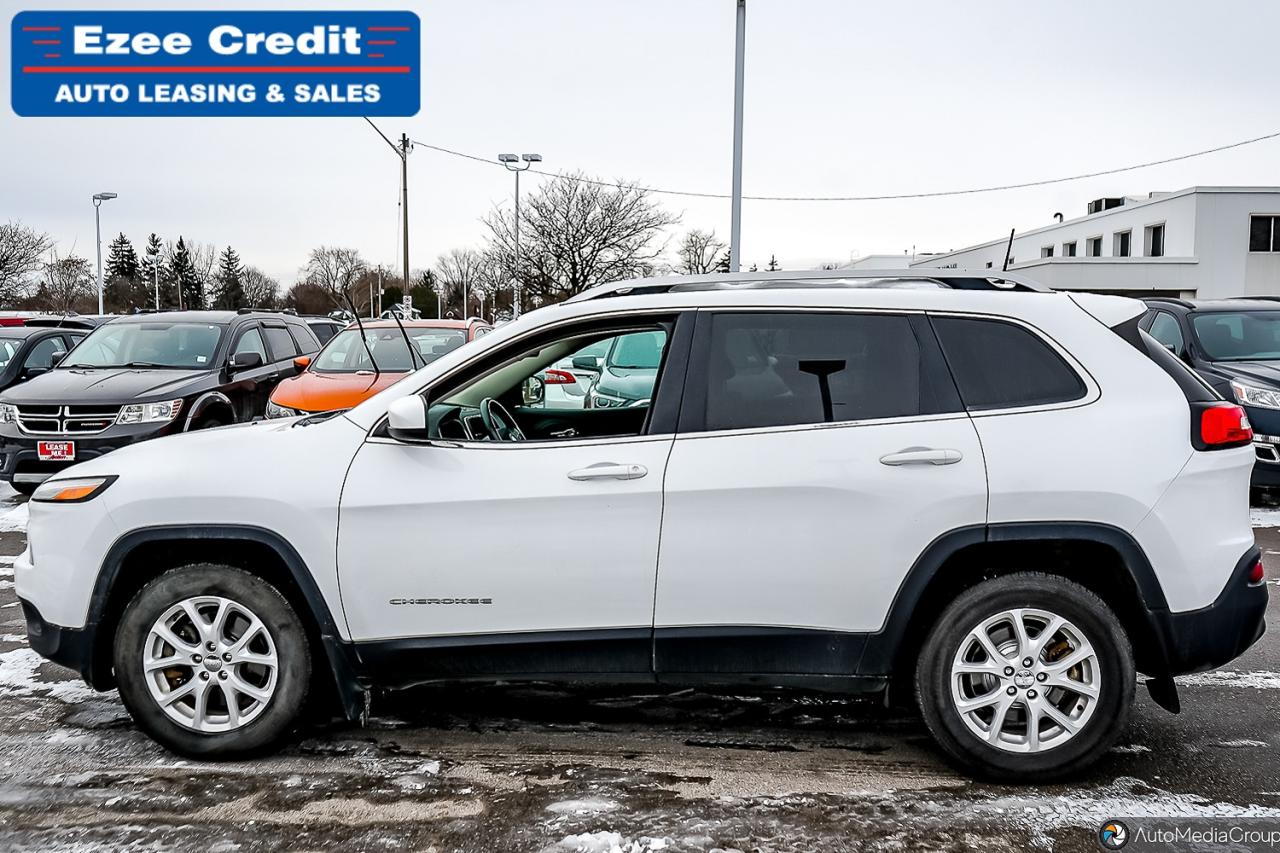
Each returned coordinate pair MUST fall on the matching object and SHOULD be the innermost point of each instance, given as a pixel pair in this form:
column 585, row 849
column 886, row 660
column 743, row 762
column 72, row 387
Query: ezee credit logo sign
column 215, row 63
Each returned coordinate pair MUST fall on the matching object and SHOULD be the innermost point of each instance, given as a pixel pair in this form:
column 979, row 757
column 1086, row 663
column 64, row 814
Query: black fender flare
column 340, row 653
column 202, row 404
column 883, row 646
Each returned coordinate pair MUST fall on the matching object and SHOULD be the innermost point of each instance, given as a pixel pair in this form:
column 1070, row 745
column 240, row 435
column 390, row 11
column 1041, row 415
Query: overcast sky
column 842, row 98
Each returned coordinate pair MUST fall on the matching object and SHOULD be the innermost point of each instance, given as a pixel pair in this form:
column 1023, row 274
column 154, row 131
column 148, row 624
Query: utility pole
column 98, row 199
column 155, row 277
column 404, row 201
column 735, row 211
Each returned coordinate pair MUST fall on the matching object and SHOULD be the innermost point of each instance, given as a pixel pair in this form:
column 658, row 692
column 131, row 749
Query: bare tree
column 260, row 289
column 698, row 252
column 66, row 283
column 21, row 249
column 575, row 234
column 336, row 271
column 461, row 273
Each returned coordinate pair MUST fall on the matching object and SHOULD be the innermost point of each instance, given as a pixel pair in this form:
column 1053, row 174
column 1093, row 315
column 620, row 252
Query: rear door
column 818, row 455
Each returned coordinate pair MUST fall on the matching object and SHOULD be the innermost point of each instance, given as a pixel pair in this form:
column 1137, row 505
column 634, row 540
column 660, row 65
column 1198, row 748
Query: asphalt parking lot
column 537, row 768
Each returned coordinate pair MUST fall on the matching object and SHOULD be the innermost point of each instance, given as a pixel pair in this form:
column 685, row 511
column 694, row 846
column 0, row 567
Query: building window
column 1094, row 247
column 988, row 264
column 1046, row 251
column 1120, row 244
column 1069, row 249
column 1264, row 233
column 1155, row 241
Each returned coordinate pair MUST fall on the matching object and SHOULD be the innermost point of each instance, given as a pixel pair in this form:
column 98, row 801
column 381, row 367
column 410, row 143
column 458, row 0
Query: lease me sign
column 230, row 63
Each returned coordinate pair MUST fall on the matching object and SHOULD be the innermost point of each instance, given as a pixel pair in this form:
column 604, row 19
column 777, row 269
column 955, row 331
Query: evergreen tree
column 122, row 260
column 230, row 281
column 773, row 264
column 722, row 265
column 152, row 270
column 424, row 292
column 183, row 271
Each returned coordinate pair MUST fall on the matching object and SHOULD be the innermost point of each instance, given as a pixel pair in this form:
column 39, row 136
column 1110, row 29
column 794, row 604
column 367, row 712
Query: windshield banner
column 232, row 63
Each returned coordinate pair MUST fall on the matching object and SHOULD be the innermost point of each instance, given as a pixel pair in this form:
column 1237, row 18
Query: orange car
column 343, row 374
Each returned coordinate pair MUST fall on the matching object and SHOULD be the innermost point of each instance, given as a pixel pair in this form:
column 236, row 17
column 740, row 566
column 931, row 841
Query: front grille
column 66, row 420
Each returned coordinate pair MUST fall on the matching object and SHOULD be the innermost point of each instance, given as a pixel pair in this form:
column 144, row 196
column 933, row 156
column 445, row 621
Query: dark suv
column 145, row 376
column 1234, row 345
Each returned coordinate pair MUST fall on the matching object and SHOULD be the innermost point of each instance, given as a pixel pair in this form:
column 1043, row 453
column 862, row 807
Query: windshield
column 1239, row 336
column 642, row 350
column 346, row 354
column 149, row 344
column 8, row 349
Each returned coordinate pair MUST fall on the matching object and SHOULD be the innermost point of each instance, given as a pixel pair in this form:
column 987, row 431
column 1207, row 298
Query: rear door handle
column 922, row 456
column 609, row 471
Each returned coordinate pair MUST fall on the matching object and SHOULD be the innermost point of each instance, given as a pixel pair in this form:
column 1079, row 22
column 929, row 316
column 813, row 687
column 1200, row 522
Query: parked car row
column 75, row 389
column 955, row 488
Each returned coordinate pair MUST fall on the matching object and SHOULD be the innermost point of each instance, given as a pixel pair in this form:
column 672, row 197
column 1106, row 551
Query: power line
column 888, row 197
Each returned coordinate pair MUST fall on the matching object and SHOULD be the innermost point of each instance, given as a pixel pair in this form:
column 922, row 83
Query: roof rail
column 955, row 279
column 1256, row 298
column 1185, row 303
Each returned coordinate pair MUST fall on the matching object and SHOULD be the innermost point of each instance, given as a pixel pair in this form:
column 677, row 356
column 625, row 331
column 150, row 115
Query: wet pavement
column 534, row 768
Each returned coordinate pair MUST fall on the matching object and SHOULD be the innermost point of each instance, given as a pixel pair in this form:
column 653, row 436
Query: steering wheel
column 498, row 422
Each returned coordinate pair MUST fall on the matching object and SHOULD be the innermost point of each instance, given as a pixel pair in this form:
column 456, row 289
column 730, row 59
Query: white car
column 1005, row 498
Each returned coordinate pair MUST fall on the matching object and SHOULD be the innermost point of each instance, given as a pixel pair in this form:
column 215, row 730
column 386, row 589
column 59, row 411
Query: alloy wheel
column 210, row 664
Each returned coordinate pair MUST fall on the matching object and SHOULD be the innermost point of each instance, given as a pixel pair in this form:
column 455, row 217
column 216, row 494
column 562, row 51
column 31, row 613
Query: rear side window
column 999, row 365
column 768, row 370
column 280, row 343
column 304, row 339
column 1165, row 329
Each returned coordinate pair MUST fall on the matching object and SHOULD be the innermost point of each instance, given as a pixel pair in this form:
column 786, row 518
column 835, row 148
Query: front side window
column 1165, row 329
column 42, row 354
column 1239, row 335
column 790, row 369
column 8, row 349
column 1000, row 365
column 155, row 343
column 584, row 384
column 251, row 341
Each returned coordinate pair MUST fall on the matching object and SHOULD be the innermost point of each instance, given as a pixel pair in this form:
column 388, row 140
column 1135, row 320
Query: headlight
column 149, row 413
column 8, row 414
column 276, row 411
column 1248, row 395
column 72, row 489
column 604, row 401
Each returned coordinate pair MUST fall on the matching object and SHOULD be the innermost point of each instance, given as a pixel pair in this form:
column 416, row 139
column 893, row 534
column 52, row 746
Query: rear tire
column 1057, row 714
column 229, row 687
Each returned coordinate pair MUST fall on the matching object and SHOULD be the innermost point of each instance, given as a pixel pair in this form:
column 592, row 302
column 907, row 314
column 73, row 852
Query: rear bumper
column 70, row 647
column 1198, row 640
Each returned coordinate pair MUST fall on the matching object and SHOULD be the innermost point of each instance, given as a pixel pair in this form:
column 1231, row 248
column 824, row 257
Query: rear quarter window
column 1001, row 365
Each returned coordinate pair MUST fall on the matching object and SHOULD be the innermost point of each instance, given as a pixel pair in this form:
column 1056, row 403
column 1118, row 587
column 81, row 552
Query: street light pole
column 735, row 210
column 98, row 199
column 512, row 162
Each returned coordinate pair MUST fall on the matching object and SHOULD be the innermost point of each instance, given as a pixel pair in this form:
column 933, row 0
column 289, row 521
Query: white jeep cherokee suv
column 1008, row 499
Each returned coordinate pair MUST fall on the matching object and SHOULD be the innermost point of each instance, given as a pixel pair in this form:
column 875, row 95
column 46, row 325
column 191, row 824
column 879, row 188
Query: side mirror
column 586, row 362
column 31, row 372
column 407, row 419
column 533, row 391
column 245, row 361
column 58, row 356
column 301, row 363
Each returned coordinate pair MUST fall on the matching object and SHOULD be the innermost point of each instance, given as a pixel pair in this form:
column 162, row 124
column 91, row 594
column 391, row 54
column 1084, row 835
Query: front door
column 492, row 550
column 818, row 456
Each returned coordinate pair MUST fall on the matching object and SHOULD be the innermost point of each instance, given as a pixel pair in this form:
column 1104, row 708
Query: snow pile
column 582, row 806
column 606, row 842
column 19, row 676
column 1226, row 678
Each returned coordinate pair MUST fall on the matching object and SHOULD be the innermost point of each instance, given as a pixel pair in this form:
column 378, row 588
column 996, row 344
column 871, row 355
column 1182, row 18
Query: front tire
column 1027, row 677
column 212, row 662
column 27, row 489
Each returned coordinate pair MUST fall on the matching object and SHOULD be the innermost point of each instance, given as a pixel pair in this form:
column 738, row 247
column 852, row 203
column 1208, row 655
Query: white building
column 1197, row 243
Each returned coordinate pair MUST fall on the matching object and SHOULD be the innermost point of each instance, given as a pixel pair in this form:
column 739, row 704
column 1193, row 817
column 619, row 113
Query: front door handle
column 922, row 456
column 609, row 471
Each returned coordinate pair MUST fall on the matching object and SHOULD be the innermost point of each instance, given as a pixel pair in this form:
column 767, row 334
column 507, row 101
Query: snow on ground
column 607, row 842
column 14, row 518
column 1264, row 516
column 19, row 676
column 1227, row 678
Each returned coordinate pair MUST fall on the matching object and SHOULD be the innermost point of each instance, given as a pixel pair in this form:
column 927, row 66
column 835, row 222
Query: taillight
column 559, row 377
column 1224, row 425
column 1257, row 573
